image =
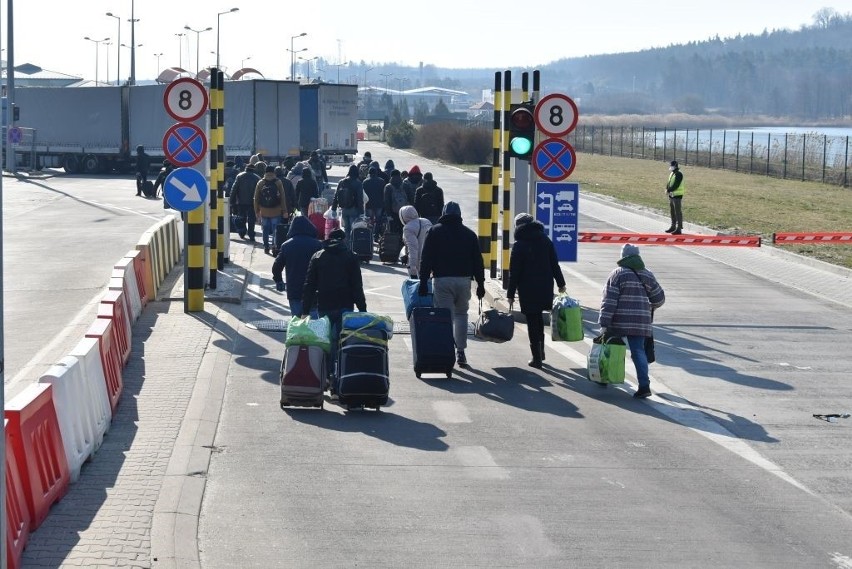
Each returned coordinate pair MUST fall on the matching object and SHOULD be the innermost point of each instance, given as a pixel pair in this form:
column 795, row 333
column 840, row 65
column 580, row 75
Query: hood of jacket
column 302, row 226
column 389, row 165
column 269, row 176
column 408, row 213
column 353, row 171
column 634, row 262
column 531, row 230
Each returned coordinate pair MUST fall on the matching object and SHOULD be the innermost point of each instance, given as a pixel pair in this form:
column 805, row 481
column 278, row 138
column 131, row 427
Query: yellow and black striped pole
column 220, row 170
column 485, row 211
column 495, row 172
column 507, row 176
column 213, row 230
column 536, row 93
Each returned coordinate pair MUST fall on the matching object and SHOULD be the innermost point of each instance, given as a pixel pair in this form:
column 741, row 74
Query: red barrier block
column 666, row 239
column 824, row 237
column 139, row 270
column 113, row 305
column 37, row 444
column 17, row 513
column 101, row 330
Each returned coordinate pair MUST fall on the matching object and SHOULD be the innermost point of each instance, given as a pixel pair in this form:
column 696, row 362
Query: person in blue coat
column 294, row 256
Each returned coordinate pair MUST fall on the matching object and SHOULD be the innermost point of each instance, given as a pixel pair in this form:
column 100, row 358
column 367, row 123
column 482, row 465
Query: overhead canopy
column 244, row 73
column 170, row 74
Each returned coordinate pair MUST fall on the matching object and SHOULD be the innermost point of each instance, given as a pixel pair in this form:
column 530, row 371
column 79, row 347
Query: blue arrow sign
column 556, row 207
column 185, row 189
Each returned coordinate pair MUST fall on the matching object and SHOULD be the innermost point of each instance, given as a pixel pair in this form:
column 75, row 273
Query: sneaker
column 461, row 359
column 642, row 393
column 670, row 229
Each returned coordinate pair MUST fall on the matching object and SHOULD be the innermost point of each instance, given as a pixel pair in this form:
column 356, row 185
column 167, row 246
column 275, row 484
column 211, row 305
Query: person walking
column 349, row 196
column 412, row 182
column 270, row 205
column 630, row 297
column 414, row 229
column 335, row 286
column 306, row 189
column 534, row 268
column 429, row 199
column 289, row 190
column 451, row 256
column 374, row 187
column 675, row 189
column 395, row 197
column 317, row 164
column 293, row 259
column 242, row 202
column 143, row 165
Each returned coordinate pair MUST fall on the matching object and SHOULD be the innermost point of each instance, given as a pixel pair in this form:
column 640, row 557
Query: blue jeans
column 640, row 360
column 268, row 225
column 296, row 307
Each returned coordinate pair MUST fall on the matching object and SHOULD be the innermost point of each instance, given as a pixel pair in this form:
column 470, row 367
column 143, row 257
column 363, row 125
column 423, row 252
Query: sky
column 495, row 34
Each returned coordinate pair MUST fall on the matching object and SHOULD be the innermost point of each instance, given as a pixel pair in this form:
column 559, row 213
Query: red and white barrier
column 835, row 238
column 113, row 306
column 74, row 410
column 101, row 330
column 124, row 268
column 17, row 513
column 88, row 354
column 36, row 440
column 139, row 270
column 657, row 239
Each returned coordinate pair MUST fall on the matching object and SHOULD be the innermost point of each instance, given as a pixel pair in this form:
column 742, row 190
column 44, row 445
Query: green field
column 728, row 202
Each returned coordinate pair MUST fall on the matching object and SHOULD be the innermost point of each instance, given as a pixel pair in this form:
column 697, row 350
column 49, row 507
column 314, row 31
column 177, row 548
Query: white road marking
column 528, row 535
column 482, row 462
column 451, row 411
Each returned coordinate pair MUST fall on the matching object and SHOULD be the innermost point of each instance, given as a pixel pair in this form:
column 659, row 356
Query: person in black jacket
column 143, row 165
column 242, row 202
column 293, row 257
column 451, row 255
column 429, row 199
column 534, row 267
column 334, row 284
column 374, row 187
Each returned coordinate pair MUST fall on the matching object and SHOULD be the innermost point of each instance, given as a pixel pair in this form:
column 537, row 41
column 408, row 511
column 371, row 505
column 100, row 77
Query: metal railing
column 810, row 156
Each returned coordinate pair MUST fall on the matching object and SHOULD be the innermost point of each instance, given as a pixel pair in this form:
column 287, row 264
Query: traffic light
column 521, row 130
column 16, row 113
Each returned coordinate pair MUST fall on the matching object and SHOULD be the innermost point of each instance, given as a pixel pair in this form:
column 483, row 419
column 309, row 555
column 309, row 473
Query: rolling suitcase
column 432, row 340
column 302, row 376
column 280, row 236
column 361, row 241
column 362, row 369
column 390, row 247
column 148, row 189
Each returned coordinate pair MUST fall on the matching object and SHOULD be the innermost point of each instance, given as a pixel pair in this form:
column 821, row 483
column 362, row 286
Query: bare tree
column 824, row 17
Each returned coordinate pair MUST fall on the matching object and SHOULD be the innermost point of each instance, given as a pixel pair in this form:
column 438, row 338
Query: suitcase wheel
column 284, row 403
column 450, row 374
column 417, row 374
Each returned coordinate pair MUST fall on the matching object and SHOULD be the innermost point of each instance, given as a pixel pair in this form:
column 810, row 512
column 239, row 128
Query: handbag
column 494, row 326
column 605, row 362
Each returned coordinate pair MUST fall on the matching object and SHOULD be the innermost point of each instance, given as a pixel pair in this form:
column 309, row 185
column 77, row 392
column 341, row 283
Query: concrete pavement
column 137, row 504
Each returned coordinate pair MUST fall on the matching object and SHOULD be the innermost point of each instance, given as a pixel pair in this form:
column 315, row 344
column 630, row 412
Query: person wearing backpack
column 270, row 205
column 429, row 199
column 374, row 187
column 242, row 202
column 349, row 197
column 395, row 198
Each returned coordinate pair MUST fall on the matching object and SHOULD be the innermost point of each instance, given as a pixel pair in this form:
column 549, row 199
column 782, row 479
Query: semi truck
column 329, row 120
column 96, row 129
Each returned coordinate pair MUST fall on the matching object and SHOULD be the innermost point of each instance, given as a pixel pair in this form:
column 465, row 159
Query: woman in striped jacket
column 630, row 296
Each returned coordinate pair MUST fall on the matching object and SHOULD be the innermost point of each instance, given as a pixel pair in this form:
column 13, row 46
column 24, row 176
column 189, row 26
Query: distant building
column 29, row 75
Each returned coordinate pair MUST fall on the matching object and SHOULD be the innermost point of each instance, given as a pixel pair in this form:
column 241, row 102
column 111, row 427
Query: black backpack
column 346, row 197
column 269, row 194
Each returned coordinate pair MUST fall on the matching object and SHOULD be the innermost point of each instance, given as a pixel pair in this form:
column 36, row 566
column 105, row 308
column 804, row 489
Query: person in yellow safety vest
column 675, row 189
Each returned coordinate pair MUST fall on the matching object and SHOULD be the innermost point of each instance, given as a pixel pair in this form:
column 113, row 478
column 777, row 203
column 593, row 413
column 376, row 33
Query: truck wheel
column 70, row 164
column 91, row 164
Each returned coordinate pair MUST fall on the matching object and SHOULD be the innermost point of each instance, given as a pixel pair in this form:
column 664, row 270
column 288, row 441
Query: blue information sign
column 556, row 207
column 185, row 189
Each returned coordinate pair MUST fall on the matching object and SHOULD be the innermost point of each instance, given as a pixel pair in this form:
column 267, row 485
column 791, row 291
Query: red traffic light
column 522, row 119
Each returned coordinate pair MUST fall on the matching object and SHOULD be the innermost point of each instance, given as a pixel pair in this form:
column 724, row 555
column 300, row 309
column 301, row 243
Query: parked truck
column 329, row 120
column 96, row 129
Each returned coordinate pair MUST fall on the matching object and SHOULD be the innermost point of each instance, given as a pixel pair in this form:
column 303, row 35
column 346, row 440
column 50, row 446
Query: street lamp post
column 218, row 16
column 107, row 44
column 243, row 62
column 365, row 76
column 386, row 76
column 310, row 62
column 339, row 65
column 133, row 21
column 293, row 55
column 158, row 56
column 97, row 46
column 117, row 50
column 293, row 66
column 180, row 49
column 197, row 38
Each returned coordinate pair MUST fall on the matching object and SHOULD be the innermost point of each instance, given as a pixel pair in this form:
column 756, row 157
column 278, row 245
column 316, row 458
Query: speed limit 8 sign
column 185, row 99
column 556, row 115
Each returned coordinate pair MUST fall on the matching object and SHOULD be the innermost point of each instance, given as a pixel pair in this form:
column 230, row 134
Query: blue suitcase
column 432, row 341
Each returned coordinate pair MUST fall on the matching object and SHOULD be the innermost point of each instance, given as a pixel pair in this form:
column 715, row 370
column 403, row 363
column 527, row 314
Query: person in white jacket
column 413, row 236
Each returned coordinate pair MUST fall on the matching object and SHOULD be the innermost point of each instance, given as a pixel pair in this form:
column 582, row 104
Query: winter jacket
column 278, row 211
column 412, row 182
column 629, row 298
column 351, row 183
column 429, row 200
column 306, row 188
column 289, row 191
column 334, row 280
column 396, row 187
column 295, row 254
column 386, row 173
column 451, row 250
column 534, row 267
column 374, row 187
column 413, row 235
column 242, row 192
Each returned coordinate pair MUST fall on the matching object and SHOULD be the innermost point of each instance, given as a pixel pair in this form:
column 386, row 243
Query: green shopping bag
column 307, row 331
column 567, row 324
column 606, row 360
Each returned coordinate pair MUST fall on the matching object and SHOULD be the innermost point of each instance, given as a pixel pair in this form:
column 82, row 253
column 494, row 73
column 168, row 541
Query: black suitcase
column 362, row 369
column 390, row 247
column 280, row 236
column 432, row 340
column 148, row 189
column 361, row 242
